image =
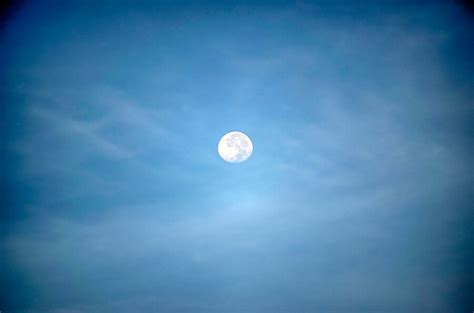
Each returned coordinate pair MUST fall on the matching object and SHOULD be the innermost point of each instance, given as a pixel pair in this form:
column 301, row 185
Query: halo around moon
column 235, row 147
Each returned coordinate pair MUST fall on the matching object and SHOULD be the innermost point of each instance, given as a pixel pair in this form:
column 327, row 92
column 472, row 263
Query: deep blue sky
column 358, row 197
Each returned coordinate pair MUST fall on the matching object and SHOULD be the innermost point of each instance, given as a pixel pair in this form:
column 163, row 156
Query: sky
column 358, row 196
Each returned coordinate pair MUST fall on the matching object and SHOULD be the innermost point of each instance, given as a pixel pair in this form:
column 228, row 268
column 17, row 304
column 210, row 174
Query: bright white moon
column 235, row 147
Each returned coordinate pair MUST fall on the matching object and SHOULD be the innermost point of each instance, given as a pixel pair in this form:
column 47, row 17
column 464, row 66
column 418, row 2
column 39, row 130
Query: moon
column 235, row 147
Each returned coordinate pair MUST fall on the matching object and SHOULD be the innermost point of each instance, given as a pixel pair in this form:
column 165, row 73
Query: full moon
column 235, row 147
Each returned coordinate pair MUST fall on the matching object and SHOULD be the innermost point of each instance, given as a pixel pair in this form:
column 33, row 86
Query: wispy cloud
column 65, row 126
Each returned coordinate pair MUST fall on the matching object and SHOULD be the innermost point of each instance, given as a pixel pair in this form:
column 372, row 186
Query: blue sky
column 357, row 198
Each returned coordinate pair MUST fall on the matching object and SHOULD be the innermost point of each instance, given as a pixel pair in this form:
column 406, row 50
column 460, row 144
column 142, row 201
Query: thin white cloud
column 87, row 130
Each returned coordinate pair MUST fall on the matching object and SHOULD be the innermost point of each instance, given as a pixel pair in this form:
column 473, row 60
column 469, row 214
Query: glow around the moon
column 235, row 147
